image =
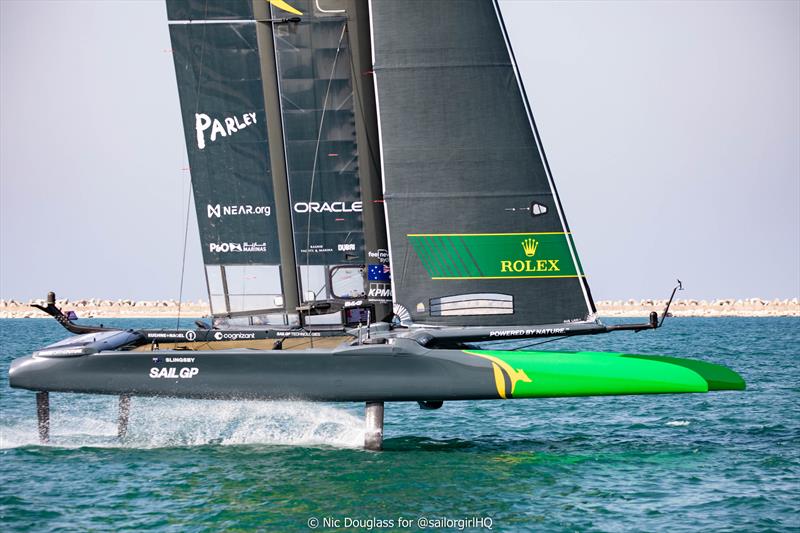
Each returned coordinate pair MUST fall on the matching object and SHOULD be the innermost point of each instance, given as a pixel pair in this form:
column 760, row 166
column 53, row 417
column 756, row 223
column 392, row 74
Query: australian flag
column 379, row 273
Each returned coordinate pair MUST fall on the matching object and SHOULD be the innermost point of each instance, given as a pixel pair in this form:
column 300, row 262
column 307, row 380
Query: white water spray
column 160, row 423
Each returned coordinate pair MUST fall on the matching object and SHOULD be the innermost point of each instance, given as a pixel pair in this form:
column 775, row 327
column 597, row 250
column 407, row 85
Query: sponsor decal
column 379, row 292
column 191, row 336
column 171, row 372
column 328, row 207
column 381, row 255
column 219, row 211
column 506, row 377
column 527, row 332
column 226, row 126
column 219, row 335
column 298, row 334
column 177, row 335
column 529, row 246
column 230, row 247
column 382, row 272
column 157, row 360
column 346, row 247
column 316, row 249
column 495, row 255
column 355, row 303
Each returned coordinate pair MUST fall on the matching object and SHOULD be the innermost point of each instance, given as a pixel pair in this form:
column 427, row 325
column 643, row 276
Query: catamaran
column 376, row 209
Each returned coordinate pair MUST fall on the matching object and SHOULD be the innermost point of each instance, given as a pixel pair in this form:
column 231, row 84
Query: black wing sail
column 217, row 63
column 324, row 99
column 476, row 231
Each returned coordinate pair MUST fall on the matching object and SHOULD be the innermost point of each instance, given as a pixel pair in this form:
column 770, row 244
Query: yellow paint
column 280, row 4
column 499, row 380
column 513, row 375
column 529, row 246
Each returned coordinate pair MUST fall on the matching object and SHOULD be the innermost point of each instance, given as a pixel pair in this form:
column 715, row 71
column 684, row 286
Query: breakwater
column 98, row 308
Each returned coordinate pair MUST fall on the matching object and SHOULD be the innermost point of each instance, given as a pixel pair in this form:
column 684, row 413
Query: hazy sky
column 672, row 129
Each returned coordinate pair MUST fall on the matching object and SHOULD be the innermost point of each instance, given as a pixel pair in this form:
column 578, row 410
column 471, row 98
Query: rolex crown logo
column 530, row 245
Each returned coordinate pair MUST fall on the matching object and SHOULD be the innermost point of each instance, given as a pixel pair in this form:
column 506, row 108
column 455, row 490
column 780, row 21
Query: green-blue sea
column 727, row 461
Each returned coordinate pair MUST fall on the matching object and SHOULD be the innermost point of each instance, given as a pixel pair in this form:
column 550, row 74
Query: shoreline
column 94, row 308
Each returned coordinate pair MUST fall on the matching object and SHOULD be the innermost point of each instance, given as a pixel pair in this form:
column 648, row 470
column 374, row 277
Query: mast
column 375, row 238
column 280, row 184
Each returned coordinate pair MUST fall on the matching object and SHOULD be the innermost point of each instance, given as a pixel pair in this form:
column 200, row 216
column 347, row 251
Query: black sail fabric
column 477, row 234
column 222, row 105
column 314, row 74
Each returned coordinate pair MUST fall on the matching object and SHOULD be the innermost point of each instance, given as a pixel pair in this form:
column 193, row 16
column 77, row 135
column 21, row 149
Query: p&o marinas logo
column 529, row 247
column 225, row 127
column 230, row 247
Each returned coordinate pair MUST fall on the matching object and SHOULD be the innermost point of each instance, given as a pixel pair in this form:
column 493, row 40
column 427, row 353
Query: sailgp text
column 174, row 373
column 227, row 126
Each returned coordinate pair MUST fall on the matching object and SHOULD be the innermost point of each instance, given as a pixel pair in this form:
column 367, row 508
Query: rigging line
column 353, row 74
column 183, row 261
column 189, row 200
column 316, row 152
column 538, row 343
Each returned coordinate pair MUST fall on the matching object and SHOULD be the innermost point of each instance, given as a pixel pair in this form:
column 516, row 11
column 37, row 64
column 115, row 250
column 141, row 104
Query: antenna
column 678, row 287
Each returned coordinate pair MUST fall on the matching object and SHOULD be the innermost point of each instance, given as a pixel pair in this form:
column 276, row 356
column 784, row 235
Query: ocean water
column 727, row 461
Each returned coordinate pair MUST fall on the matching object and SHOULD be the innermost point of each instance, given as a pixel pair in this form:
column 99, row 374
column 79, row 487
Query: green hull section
column 563, row 374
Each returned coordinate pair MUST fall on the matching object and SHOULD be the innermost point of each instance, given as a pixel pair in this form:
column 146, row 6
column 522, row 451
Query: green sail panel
column 495, row 256
column 464, row 174
column 317, row 105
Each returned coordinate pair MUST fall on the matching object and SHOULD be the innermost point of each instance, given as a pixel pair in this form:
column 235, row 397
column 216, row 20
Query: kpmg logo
column 529, row 247
column 203, row 122
column 328, row 207
column 219, row 211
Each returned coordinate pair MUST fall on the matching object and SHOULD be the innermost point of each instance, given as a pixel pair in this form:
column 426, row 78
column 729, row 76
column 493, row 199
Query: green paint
column 717, row 376
column 562, row 374
column 515, row 255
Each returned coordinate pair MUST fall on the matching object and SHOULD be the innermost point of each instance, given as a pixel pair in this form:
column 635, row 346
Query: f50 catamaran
column 372, row 198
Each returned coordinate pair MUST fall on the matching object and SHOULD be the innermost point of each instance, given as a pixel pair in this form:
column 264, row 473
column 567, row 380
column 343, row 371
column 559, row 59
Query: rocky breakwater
column 96, row 308
column 753, row 307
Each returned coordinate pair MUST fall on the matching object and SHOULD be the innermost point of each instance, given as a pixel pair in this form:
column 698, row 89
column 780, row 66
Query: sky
column 672, row 130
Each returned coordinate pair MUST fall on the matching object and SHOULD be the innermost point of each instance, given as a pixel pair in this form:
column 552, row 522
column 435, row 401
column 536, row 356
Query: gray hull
column 403, row 371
